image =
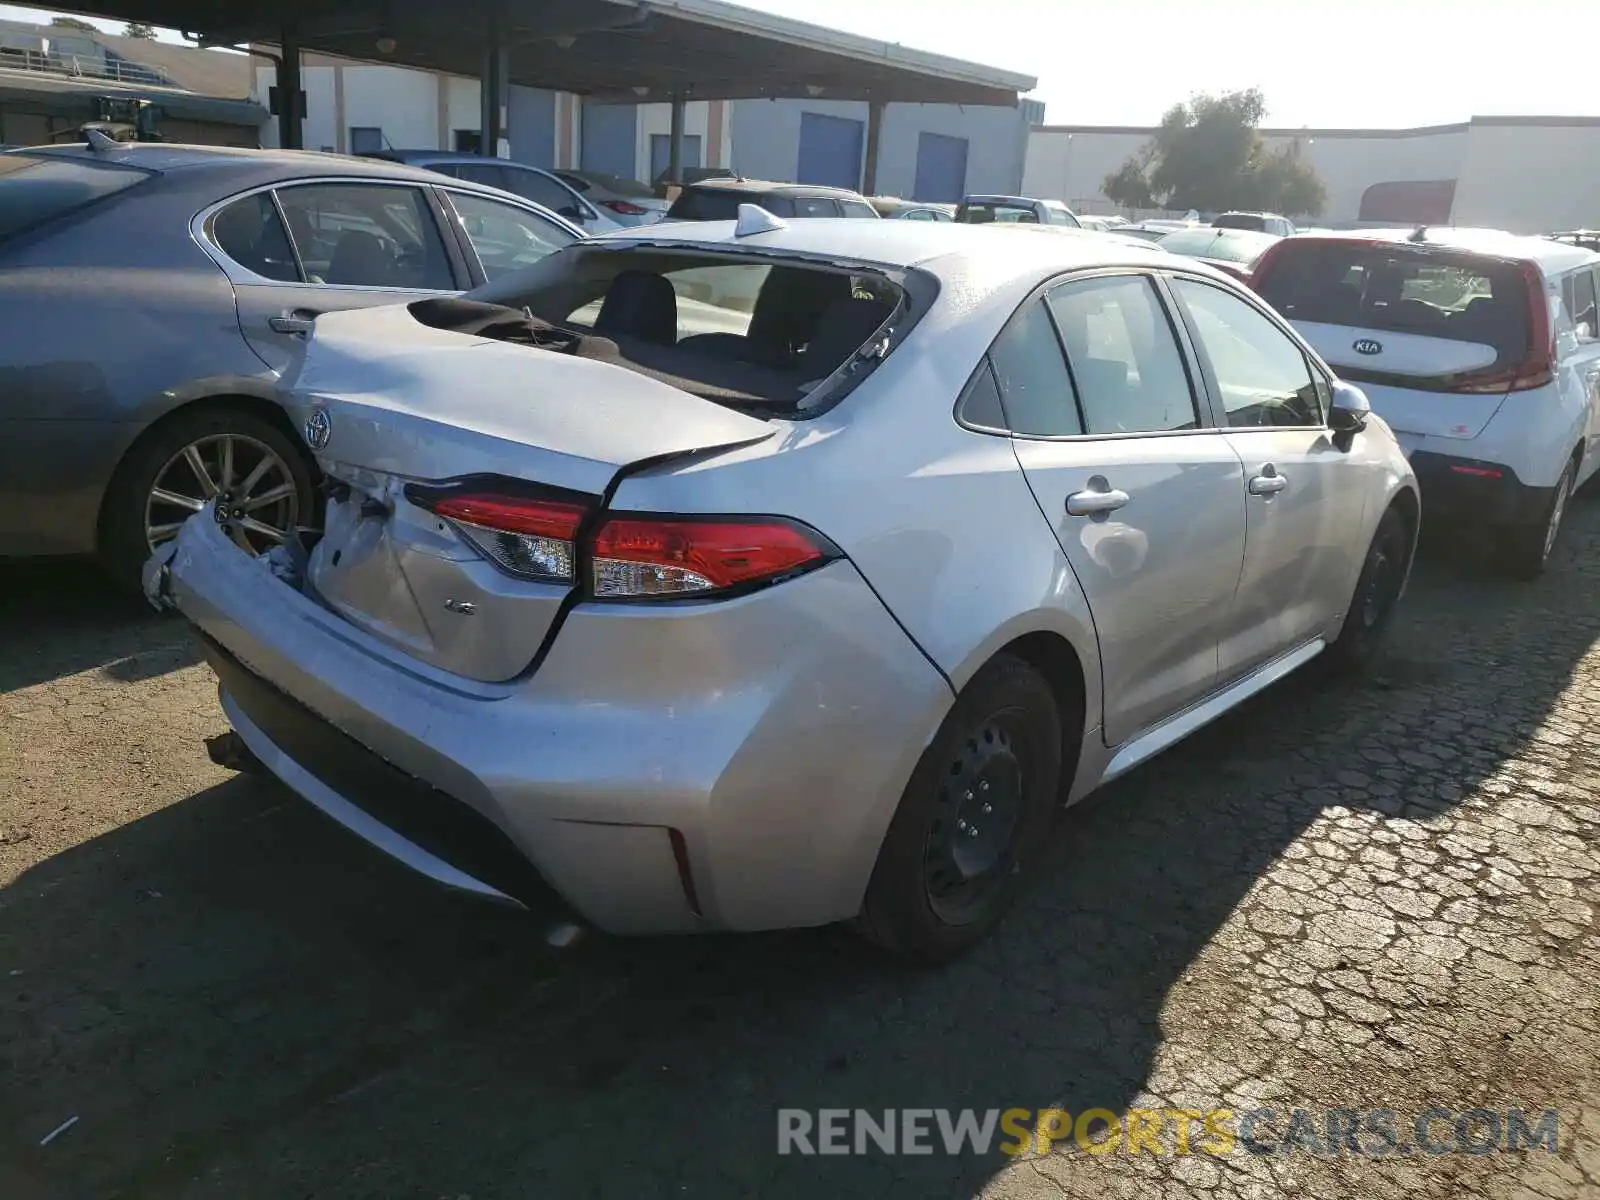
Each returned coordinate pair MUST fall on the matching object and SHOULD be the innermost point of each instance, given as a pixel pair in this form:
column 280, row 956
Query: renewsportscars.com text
column 1367, row 1132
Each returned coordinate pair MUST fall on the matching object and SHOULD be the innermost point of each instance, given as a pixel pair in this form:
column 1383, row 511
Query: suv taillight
column 1538, row 364
column 547, row 538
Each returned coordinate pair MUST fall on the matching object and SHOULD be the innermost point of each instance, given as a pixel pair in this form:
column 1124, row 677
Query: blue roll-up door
column 610, row 135
column 941, row 169
column 661, row 153
column 830, row 150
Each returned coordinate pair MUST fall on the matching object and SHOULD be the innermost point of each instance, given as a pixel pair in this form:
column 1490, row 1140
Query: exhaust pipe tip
column 229, row 752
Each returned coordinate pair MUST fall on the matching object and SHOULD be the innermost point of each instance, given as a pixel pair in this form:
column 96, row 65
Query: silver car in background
column 818, row 621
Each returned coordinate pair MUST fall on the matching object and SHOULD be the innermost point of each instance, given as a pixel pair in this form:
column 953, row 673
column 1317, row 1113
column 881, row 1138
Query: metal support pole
column 675, row 160
column 492, row 89
column 869, row 173
column 289, row 114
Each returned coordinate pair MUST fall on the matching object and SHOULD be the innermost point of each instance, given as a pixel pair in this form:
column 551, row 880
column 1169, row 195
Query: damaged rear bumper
column 724, row 765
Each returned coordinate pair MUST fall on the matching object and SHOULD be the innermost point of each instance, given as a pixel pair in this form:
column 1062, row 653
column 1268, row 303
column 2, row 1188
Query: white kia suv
column 1481, row 350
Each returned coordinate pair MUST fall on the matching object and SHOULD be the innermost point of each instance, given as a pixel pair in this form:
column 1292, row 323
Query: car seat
column 640, row 305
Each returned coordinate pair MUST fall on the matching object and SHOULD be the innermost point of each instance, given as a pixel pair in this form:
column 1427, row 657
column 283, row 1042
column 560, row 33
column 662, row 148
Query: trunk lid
column 387, row 401
column 1384, row 362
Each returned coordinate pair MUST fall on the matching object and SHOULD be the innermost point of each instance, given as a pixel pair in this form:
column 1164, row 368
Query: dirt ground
column 1339, row 897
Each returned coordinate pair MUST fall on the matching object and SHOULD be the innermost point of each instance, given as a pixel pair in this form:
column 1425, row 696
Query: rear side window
column 1578, row 294
column 1381, row 286
column 367, row 235
column 250, row 232
column 35, row 189
column 1034, row 385
column 1124, row 355
column 858, row 208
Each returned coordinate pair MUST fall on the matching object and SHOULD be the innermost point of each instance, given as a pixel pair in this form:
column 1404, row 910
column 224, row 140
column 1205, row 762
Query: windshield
column 712, row 204
column 38, row 188
column 1229, row 245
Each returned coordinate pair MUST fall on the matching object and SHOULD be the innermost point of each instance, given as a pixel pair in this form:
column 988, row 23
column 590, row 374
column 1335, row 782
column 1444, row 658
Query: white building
column 1527, row 174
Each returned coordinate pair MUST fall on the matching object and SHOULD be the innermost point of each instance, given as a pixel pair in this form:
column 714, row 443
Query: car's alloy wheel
column 256, row 496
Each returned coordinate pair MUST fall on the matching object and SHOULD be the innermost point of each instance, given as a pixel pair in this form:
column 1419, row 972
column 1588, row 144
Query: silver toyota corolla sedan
column 814, row 614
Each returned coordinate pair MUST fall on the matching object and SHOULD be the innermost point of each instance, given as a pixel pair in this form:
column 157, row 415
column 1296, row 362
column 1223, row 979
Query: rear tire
column 1383, row 574
column 258, row 453
column 1525, row 549
column 973, row 821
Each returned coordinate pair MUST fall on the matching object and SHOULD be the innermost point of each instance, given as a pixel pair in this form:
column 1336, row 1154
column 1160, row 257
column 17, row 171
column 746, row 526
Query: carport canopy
column 628, row 51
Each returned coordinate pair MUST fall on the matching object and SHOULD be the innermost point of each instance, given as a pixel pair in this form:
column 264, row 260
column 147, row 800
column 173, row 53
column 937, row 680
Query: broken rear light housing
column 547, row 535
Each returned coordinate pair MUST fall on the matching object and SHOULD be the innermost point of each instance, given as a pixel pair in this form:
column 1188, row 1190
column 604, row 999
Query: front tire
column 1525, row 549
column 195, row 457
column 973, row 821
column 1383, row 574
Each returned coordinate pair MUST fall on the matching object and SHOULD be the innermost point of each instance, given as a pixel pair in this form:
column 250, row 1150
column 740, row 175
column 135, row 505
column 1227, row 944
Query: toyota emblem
column 1367, row 346
column 319, row 428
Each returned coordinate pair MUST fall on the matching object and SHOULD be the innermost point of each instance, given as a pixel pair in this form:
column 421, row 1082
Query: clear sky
column 1345, row 63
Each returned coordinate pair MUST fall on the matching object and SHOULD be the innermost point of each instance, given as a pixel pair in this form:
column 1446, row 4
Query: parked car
column 628, row 201
column 1478, row 347
column 1586, row 239
column 741, row 632
column 151, row 296
column 1233, row 251
column 1259, row 222
column 544, row 188
column 1102, row 224
column 719, row 200
column 892, row 208
column 982, row 210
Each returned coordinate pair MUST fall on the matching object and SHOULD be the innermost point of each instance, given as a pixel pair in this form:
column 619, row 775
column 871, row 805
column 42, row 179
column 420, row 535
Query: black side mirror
column 1347, row 415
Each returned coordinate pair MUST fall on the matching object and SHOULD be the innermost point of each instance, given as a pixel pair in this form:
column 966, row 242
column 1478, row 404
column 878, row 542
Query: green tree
column 72, row 23
column 140, row 29
column 1208, row 155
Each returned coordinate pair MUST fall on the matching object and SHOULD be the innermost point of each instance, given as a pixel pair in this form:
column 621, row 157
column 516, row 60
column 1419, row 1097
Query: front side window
column 504, row 237
column 489, row 174
column 1125, row 359
column 1262, row 374
column 1032, row 376
column 250, row 232
column 367, row 235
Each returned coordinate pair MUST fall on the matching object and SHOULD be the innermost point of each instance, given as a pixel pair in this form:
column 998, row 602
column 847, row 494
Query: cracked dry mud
column 1338, row 897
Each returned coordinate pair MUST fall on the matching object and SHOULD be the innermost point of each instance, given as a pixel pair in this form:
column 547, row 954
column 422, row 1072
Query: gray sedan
column 152, row 294
column 815, row 616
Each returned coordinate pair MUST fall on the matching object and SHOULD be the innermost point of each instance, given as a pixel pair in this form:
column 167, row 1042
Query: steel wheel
column 257, row 499
column 971, row 845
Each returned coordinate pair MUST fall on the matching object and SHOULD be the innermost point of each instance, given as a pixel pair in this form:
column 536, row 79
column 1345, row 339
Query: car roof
column 723, row 184
column 1551, row 257
column 948, row 249
column 165, row 157
column 244, row 168
column 446, row 156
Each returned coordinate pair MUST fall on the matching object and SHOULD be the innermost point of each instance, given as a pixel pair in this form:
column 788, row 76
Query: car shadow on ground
column 237, row 999
column 59, row 617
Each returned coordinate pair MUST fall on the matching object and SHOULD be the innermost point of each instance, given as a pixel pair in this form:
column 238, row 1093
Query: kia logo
column 1367, row 346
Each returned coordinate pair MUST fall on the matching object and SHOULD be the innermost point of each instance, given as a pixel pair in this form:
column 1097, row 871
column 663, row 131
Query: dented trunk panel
column 400, row 403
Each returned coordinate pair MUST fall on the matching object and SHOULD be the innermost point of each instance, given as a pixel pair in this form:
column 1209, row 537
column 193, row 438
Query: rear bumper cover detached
column 1460, row 490
column 723, row 765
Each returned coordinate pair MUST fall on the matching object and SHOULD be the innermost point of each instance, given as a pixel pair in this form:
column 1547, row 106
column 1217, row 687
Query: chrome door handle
column 1095, row 503
column 1267, row 484
column 293, row 323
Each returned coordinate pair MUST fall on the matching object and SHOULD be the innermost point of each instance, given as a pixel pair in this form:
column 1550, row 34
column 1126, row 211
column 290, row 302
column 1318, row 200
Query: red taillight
column 530, row 537
column 1477, row 472
column 625, row 208
column 678, row 557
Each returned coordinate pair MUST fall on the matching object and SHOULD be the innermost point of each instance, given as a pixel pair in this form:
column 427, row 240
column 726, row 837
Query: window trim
column 1205, row 413
column 1308, row 355
column 200, row 230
